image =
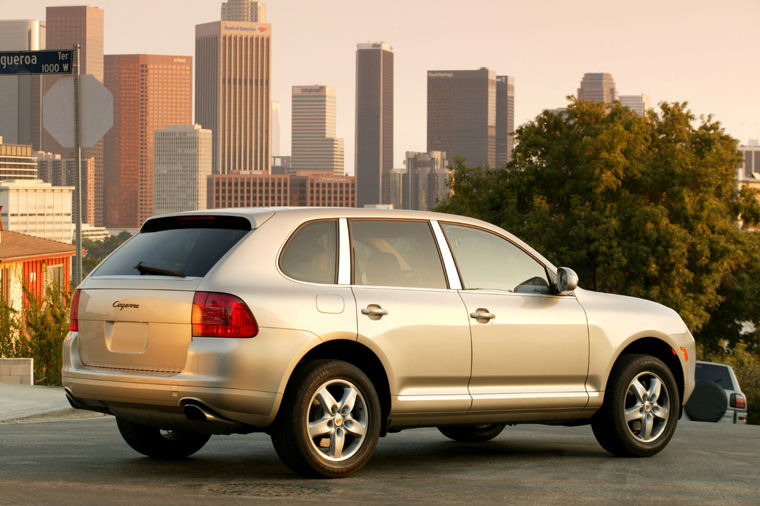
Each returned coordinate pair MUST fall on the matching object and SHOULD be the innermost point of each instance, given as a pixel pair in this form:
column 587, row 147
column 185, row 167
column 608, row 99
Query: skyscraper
column 425, row 180
column 21, row 96
column 313, row 142
column 275, row 119
column 505, row 119
column 149, row 93
column 233, row 93
column 598, row 87
column 244, row 10
column 374, row 122
column 65, row 27
column 461, row 115
column 182, row 155
column 639, row 104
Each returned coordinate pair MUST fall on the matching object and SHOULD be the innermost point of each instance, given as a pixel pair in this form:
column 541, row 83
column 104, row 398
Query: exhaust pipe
column 196, row 411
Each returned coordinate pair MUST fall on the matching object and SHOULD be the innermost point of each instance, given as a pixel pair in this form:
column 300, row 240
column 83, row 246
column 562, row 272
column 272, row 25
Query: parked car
column 717, row 395
column 328, row 328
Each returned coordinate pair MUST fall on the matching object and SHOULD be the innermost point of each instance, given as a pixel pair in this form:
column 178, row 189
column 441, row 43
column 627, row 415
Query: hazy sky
column 700, row 51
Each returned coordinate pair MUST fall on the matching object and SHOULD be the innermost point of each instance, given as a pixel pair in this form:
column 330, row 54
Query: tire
column 708, row 402
column 641, row 407
column 472, row 433
column 161, row 444
column 329, row 421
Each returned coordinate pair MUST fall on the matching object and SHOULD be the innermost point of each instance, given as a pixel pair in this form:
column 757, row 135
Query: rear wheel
column 640, row 410
column 472, row 433
column 329, row 421
column 160, row 443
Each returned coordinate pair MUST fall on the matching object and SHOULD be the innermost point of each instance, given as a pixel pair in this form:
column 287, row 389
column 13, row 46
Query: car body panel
column 432, row 359
column 514, row 365
column 616, row 321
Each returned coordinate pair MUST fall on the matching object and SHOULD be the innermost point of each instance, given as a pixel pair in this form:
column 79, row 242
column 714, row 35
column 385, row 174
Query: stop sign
column 96, row 111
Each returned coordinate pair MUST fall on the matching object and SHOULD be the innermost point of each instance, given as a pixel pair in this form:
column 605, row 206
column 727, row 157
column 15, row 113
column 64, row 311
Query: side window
column 395, row 253
column 487, row 261
column 310, row 253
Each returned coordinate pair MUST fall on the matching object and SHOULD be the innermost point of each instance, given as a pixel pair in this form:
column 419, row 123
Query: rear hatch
column 135, row 308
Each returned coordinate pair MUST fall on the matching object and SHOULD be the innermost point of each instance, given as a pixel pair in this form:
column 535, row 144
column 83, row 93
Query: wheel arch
column 656, row 348
column 363, row 358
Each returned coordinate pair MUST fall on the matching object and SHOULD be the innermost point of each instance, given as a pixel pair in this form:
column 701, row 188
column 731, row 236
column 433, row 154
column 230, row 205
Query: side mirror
column 567, row 280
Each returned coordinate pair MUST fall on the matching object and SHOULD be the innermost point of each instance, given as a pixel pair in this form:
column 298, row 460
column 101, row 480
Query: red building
column 31, row 262
column 149, row 93
column 305, row 188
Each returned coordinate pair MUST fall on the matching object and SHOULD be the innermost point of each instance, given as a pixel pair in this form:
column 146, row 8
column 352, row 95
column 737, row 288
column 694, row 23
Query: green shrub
column 37, row 332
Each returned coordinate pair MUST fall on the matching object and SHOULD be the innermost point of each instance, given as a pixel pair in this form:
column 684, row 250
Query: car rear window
column 715, row 373
column 176, row 246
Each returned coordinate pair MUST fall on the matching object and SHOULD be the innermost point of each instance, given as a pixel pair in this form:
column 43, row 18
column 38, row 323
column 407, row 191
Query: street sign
column 55, row 61
column 58, row 111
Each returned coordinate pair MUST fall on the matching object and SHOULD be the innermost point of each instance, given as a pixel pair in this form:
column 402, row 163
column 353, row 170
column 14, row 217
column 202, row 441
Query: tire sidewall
column 320, row 373
column 623, row 380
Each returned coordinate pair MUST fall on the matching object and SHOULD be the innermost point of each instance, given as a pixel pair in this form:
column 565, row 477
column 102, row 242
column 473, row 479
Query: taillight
column 74, row 312
column 222, row 315
column 737, row 401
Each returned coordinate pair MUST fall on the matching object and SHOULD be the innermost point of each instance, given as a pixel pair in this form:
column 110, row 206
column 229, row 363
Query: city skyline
column 656, row 49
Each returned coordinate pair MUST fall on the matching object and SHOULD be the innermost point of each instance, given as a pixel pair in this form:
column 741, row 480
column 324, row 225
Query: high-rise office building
column 34, row 207
column 275, row 118
column 65, row 27
column 233, row 93
column 21, row 96
column 425, row 180
column 52, row 169
column 639, row 104
column 374, row 122
column 505, row 119
column 749, row 169
column 598, row 87
column 461, row 115
column 149, row 93
column 313, row 142
column 17, row 161
column 244, row 10
column 182, row 166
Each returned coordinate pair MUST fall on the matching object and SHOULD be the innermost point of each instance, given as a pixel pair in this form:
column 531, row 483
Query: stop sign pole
column 78, row 153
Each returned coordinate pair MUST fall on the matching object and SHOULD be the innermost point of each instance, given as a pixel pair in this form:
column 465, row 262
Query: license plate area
column 126, row 337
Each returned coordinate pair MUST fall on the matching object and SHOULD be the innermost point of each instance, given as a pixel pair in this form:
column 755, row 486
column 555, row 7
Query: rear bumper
column 234, row 378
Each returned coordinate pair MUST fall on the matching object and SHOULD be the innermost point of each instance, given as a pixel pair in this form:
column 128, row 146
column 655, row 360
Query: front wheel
column 329, row 420
column 472, row 433
column 640, row 409
column 159, row 443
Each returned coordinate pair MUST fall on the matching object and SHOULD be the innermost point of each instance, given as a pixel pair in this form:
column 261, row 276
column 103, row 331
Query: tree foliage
column 644, row 206
column 37, row 331
column 98, row 250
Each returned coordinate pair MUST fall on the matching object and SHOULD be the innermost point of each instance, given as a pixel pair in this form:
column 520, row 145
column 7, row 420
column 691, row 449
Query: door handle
column 482, row 314
column 374, row 311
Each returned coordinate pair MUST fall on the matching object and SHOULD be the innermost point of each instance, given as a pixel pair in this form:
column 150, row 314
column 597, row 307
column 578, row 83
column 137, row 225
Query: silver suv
column 327, row 328
column 717, row 395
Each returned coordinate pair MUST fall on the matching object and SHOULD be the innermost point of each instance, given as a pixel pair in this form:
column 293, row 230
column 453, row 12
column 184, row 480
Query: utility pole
column 78, row 154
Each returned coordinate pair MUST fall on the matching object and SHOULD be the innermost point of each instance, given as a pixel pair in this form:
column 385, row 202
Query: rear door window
column 176, row 246
column 395, row 253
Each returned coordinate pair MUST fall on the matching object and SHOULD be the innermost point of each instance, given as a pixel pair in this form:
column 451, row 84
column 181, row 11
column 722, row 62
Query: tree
column 98, row 250
column 644, row 206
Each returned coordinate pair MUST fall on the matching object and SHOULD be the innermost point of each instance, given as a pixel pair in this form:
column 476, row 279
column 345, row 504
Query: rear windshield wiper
column 147, row 269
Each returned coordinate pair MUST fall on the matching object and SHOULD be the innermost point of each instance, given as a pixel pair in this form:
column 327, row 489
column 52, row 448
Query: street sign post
column 56, row 61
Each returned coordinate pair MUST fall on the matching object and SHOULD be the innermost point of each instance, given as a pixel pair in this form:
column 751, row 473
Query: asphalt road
column 85, row 462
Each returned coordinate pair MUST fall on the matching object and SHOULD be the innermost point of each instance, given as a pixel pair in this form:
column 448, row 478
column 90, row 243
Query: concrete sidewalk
column 31, row 402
